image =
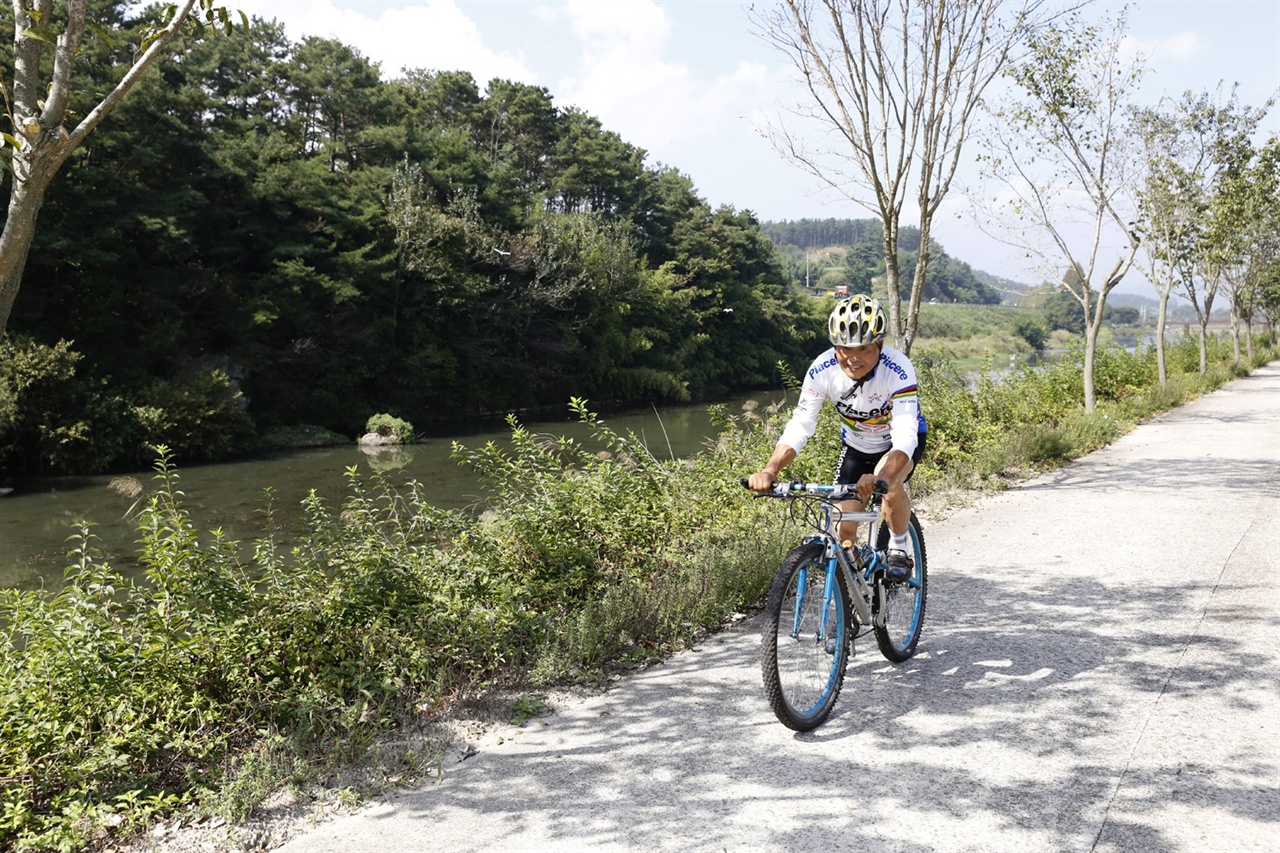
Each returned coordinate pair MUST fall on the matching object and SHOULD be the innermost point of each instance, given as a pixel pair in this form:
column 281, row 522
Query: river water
column 37, row 518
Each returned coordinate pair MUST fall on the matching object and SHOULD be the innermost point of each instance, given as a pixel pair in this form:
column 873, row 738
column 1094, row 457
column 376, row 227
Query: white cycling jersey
column 880, row 412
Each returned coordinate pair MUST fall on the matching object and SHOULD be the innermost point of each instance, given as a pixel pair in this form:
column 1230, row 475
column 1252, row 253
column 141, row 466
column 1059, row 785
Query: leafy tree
column 1060, row 151
column 1123, row 315
column 259, row 236
column 592, row 169
column 1168, row 210
column 1030, row 331
column 1213, row 134
column 1063, row 311
column 46, row 44
column 1250, row 197
column 1269, row 298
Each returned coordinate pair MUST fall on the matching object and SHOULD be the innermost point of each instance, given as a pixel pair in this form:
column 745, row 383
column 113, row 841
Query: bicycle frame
column 859, row 564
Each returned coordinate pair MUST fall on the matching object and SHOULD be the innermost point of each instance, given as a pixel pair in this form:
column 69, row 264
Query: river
column 37, row 518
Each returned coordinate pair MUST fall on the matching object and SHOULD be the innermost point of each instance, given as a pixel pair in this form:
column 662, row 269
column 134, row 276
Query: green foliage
column 849, row 252
column 340, row 245
column 230, row 671
column 389, row 425
column 52, row 417
column 1064, row 311
column 1032, row 332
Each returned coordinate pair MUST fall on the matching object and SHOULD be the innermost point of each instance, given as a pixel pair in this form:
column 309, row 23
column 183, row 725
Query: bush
column 1032, row 331
column 388, row 425
column 202, row 418
column 55, row 420
column 122, row 701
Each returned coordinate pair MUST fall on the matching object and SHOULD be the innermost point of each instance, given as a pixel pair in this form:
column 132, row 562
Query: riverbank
column 390, row 610
column 1007, row 651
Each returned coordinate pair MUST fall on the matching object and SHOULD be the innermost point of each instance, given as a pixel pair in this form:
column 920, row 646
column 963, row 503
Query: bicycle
column 824, row 592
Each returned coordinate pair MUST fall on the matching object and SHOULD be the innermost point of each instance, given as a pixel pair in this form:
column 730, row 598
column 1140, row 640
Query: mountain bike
column 826, row 594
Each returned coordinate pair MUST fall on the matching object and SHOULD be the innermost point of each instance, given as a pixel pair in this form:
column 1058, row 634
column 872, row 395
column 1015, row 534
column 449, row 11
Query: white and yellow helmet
column 856, row 321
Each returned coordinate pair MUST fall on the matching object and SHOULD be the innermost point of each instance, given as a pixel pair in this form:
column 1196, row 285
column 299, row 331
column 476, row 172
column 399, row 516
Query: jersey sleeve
column 906, row 424
column 804, row 420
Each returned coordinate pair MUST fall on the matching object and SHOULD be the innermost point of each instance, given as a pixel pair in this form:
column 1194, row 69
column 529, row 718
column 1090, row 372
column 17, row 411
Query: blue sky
column 690, row 82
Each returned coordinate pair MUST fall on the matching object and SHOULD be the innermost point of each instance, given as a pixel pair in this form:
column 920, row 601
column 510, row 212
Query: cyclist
column 883, row 429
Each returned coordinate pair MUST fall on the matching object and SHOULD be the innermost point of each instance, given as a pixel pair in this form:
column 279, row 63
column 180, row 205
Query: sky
column 692, row 83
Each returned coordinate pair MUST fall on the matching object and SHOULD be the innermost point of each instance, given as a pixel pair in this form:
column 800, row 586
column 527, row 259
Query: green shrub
column 52, row 418
column 389, row 425
column 200, row 418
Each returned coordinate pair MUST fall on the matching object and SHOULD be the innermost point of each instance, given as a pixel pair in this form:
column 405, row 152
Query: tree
column 1166, row 211
column 38, row 108
column 1063, row 311
column 896, row 81
column 1032, row 332
column 1269, row 298
column 1249, row 199
column 1215, row 133
column 1060, row 150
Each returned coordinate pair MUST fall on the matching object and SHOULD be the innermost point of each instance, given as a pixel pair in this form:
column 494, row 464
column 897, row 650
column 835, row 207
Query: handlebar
column 826, row 490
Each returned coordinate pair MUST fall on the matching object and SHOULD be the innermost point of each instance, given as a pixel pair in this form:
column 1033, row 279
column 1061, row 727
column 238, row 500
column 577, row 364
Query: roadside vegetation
column 218, row 679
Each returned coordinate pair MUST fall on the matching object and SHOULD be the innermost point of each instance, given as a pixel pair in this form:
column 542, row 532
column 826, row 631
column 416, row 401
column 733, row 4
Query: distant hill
column 832, row 255
column 1008, row 289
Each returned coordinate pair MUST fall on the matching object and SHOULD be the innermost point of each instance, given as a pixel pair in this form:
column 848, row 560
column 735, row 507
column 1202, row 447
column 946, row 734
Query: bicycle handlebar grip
column 746, row 484
column 882, row 487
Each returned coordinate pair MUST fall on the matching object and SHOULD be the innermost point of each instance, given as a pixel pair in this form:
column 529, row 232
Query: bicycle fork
column 859, row 593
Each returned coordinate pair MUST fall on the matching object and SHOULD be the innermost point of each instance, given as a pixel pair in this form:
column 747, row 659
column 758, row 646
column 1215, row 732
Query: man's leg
column 897, row 503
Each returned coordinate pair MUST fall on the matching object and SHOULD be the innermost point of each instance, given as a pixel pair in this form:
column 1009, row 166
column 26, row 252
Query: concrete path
column 1100, row 671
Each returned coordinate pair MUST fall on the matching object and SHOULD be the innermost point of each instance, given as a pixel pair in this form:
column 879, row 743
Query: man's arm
column 894, row 465
column 763, row 480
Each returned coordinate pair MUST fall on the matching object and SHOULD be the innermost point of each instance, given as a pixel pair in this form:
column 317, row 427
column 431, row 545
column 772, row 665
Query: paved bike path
column 1100, row 671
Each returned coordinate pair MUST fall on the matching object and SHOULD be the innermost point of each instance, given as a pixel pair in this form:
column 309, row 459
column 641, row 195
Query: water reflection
column 39, row 516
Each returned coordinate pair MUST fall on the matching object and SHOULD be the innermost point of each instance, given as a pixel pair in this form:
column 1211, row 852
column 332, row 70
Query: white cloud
column 435, row 35
column 1183, row 47
column 620, row 70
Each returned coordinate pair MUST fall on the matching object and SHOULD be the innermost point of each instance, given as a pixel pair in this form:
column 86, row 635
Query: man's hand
column 763, row 480
column 866, row 486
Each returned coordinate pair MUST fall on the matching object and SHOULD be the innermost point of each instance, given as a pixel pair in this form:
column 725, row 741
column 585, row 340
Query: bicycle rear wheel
column 804, row 651
column 902, row 604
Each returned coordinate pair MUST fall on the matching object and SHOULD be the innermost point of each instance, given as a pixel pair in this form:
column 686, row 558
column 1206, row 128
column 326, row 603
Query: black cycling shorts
column 852, row 464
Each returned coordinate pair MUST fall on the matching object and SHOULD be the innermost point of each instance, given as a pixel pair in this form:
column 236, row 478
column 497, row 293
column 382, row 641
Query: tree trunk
column 1090, row 344
column 25, row 200
column 38, row 112
column 1235, row 333
column 892, row 277
column 1160, row 323
column 917, row 285
column 1204, row 347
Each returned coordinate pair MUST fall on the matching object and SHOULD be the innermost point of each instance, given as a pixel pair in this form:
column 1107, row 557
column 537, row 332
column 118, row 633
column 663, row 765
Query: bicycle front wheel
column 902, row 604
column 806, row 639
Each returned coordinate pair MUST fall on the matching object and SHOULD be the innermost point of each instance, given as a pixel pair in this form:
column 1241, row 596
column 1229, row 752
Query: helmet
column 856, row 321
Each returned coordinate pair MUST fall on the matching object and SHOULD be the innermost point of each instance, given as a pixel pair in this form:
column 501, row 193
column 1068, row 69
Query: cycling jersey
column 879, row 412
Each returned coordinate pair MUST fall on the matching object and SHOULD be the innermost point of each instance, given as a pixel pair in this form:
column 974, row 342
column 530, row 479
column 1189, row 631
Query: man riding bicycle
column 882, row 426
